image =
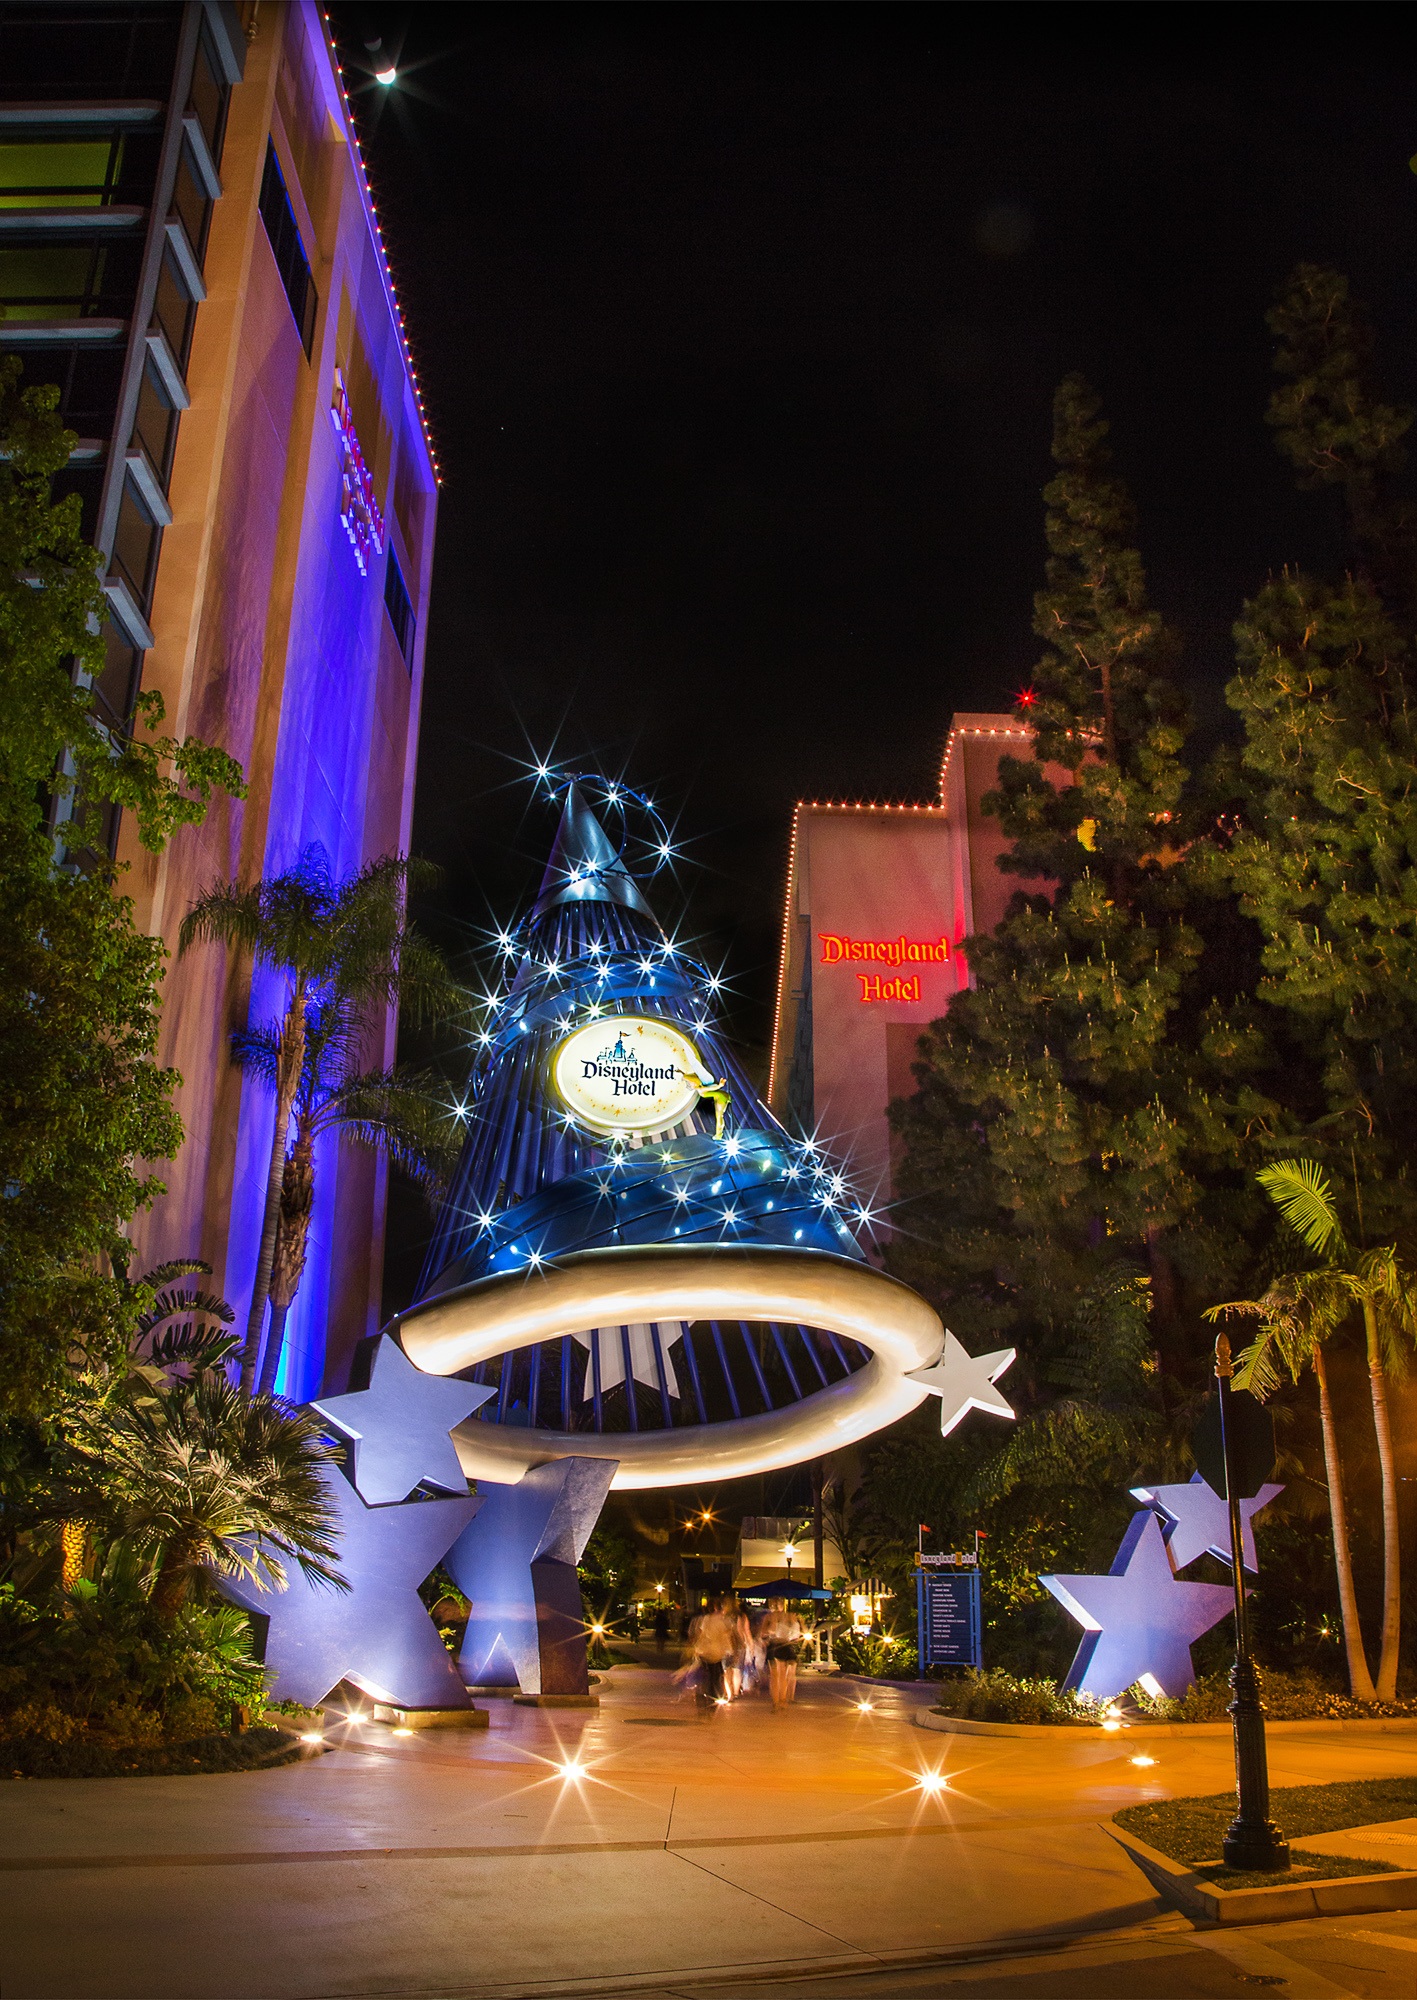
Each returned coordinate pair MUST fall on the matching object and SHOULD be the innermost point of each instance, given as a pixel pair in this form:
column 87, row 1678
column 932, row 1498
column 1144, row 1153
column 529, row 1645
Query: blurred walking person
column 711, row 1642
column 739, row 1661
column 781, row 1633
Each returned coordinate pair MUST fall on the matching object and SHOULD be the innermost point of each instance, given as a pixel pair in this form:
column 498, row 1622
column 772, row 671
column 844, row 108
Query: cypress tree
column 1077, row 1105
column 1326, row 858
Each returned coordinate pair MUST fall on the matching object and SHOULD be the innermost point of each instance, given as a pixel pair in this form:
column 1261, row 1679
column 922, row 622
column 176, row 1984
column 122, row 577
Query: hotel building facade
column 881, row 901
column 190, row 252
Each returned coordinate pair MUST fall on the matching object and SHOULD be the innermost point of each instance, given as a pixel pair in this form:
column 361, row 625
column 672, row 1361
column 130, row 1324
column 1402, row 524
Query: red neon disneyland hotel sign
column 898, row 951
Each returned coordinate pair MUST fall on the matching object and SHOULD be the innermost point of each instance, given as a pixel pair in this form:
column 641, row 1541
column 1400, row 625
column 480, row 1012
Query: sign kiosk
column 948, row 1611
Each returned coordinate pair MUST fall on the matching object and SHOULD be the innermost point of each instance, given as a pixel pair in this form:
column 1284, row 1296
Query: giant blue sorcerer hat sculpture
column 639, row 1278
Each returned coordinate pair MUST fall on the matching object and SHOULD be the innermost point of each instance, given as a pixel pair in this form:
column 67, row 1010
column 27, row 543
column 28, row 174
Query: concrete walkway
column 674, row 1855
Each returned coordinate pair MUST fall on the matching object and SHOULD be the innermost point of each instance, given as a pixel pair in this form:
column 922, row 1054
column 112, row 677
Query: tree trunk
column 1392, row 1553
column 275, row 1340
column 1360, row 1681
column 292, row 1060
column 73, row 1539
column 297, row 1199
column 169, row 1592
column 1163, row 1276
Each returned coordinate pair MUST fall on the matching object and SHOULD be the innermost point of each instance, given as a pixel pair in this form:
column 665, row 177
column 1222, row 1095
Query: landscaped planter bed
column 253, row 1750
column 1183, row 1867
column 964, row 1725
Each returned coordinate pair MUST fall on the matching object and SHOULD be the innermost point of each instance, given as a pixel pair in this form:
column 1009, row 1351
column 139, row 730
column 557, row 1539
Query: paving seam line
column 260, row 1857
column 1390, row 1940
column 1257, row 1957
column 768, row 1904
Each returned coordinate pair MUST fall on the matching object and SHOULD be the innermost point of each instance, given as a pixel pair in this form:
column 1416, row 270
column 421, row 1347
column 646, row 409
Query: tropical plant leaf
column 1300, row 1191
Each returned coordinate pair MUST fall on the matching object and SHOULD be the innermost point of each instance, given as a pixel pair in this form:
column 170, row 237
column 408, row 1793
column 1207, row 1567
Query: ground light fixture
column 312, row 1736
column 1143, row 1759
column 572, row 1769
column 933, row 1783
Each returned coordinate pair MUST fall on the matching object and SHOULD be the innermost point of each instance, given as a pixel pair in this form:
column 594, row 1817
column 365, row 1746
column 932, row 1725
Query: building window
column 155, row 426
column 209, row 97
column 116, row 687
column 87, row 376
column 291, row 261
column 135, row 545
column 115, row 51
column 62, row 279
column 174, row 311
column 398, row 607
column 193, row 205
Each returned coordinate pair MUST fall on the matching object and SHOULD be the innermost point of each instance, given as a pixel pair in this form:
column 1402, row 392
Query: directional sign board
column 948, row 1614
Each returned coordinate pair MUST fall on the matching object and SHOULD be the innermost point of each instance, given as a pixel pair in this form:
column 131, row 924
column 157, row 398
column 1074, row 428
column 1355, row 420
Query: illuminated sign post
column 837, row 949
column 948, row 1611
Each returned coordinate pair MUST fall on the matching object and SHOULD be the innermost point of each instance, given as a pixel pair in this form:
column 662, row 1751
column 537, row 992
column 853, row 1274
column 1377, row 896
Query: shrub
column 992, row 1694
column 88, row 1757
column 104, row 1663
column 1301, row 1696
column 880, row 1656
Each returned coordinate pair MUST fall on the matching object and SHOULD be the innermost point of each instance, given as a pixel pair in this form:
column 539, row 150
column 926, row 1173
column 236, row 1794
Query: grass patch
column 1191, row 1830
column 253, row 1750
column 1304, row 1868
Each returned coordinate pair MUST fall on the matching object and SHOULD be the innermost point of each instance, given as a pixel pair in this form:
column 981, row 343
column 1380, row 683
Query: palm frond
column 227, row 915
column 256, row 1052
column 1300, row 1191
column 1255, row 1369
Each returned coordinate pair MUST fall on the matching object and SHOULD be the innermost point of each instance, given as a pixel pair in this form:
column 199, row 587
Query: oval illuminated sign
column 628, row 1073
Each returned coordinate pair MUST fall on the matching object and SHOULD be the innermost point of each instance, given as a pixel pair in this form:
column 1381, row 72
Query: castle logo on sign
column 630, row 1073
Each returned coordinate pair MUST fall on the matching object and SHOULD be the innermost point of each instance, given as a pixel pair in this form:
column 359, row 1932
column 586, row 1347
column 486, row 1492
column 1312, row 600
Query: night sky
column 739, row 327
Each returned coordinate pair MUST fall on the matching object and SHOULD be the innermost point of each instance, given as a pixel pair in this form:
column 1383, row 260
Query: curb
column 1344, row 1896
column 960, row 1725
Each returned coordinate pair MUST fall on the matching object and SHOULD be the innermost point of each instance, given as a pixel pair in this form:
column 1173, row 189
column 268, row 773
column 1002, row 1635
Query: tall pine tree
column 1078, row 1104
column 1326, row 859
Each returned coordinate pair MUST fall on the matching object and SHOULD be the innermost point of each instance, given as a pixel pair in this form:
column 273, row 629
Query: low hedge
column 994, row 1695
column 90, row 1757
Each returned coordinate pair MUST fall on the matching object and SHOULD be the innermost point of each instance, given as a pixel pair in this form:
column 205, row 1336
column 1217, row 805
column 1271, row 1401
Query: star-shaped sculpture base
column 378, row 1633
column 517, row 1564
column 965, row 1382
column 1138, row 1619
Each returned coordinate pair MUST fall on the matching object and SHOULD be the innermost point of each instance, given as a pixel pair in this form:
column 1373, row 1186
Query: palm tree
column 211, row 1478
column 396, row 1110
column 175, row 1323
column 1298, row 1314
column 349, row 940
column 168, row 1459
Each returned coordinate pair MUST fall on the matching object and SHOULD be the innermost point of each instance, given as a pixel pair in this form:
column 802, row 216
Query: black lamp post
column 1253, row 1840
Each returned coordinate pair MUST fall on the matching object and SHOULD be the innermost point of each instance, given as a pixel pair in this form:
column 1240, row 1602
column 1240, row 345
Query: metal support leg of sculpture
column 516, row 1563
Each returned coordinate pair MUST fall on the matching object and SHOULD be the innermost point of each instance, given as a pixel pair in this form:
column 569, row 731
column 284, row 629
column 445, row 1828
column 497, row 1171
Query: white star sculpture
column 965, row 1382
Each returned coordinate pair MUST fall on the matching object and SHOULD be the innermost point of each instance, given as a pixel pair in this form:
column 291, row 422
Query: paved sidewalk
column 675, row 1856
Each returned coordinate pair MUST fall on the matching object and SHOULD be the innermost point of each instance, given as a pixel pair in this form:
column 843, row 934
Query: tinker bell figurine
column 718, row 1097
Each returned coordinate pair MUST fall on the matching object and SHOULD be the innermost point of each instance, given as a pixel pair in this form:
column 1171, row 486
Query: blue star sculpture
column 1138, row 1619
column 377, row 1633
column 1198, row 1520
column 399, row 1426
column 517, row 1564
